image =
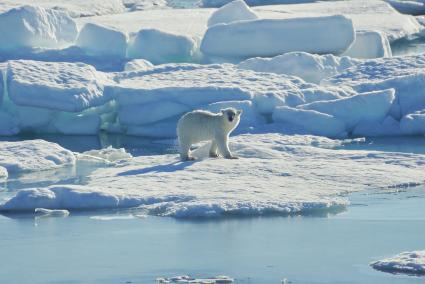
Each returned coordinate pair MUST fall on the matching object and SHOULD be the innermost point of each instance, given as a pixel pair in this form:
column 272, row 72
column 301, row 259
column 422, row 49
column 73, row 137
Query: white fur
column 198, row 125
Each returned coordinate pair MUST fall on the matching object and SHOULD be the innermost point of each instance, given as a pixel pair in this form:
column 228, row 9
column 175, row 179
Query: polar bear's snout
column 199, row 125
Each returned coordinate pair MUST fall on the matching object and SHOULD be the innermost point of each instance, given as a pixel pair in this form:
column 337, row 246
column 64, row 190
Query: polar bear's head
column 232, row 115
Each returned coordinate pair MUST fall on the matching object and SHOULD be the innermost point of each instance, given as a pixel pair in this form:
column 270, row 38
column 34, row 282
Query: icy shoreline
column 276, row 174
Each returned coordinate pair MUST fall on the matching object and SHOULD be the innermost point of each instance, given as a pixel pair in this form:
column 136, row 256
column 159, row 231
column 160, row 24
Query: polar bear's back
column 198, row 125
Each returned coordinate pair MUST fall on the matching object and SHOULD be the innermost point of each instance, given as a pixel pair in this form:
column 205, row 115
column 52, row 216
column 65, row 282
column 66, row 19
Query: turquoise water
column 126, row 249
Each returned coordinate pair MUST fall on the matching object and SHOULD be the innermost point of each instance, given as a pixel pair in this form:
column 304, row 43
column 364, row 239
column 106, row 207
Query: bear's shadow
column 165, row 168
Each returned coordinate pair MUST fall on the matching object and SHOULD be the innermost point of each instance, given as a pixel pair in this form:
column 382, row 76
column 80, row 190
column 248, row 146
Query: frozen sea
column 126, row 247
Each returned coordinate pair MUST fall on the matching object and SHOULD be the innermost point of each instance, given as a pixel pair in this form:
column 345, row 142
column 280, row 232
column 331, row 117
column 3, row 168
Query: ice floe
column 138, row 65
column 404, row 74
column 275, row 174
column 221, row 279
column 263, row 37
column 99, row 40
column 310, row 67
column 62, row 86
column 369, row 44
column 405, row 263
column 75, row 8
column 33, row 155
column 234, row 11
column 161, row 47
column 35, row 27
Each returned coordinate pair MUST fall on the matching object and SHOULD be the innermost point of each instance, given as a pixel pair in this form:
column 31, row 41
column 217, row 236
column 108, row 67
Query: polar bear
column 200, row 125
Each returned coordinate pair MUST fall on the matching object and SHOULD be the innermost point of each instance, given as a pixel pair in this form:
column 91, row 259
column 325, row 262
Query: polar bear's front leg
column 213, row 149
column 223, row 146
column 185, row 151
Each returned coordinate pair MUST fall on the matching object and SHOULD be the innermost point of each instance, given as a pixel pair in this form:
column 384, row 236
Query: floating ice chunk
column 57, row 197
column 30, row 26
column 141, row 5
column 369, row 44
column 161, row 47
column 406, row 263
column 42, row 212
column 310, row 67
column 277, row 174
column 367, row 107
column 413, row 124
column 236, row 10
column 98, row 40
column 108, row 154
column 138, row 65
column 77, row 124
column 312, row 121
column 55, row 85
column 405, row 74
column 33, row 155
column 271, row 37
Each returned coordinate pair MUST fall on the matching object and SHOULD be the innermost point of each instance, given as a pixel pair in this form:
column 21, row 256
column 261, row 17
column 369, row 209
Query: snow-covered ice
column 275, row 174
column 406, row 263
column 99, row 40
column 138, row 65
column 309, row 67
column 62, row 86
column 369, row 44
column 32, row 26
column 367, row 15
column 264, row 37
column 404, row 74
column 161, row 47
column 234, row 11
column 33, row 155
column 75, row 8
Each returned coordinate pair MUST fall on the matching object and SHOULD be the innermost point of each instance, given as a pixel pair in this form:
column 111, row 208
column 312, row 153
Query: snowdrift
column 99, row 40
column 277, row 174
column 234, row 11
column 271, row 37
column 161, row 47
column 30, row 26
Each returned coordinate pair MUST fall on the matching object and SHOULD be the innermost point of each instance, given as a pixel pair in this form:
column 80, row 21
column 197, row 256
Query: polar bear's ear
column 222, row 111
column 239, row 111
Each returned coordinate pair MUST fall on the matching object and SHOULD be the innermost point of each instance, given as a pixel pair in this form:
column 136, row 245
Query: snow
column 62, row 86
column 332, row 34
column 75, row 8
column 404, row 74
column 234, row 11
column 311, row 121
column 367, row 15
column 102, row 41
column 161, row 47
column 312, row 68
column 35, row 27
column 138, row 65
column 275, row 174
column 221, row 279
column 366, row 107
column 405, row 262
column 369, row 44
column 33, row 155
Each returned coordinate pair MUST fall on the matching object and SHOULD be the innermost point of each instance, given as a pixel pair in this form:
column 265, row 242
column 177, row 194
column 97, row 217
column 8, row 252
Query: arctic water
column 126, row 247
